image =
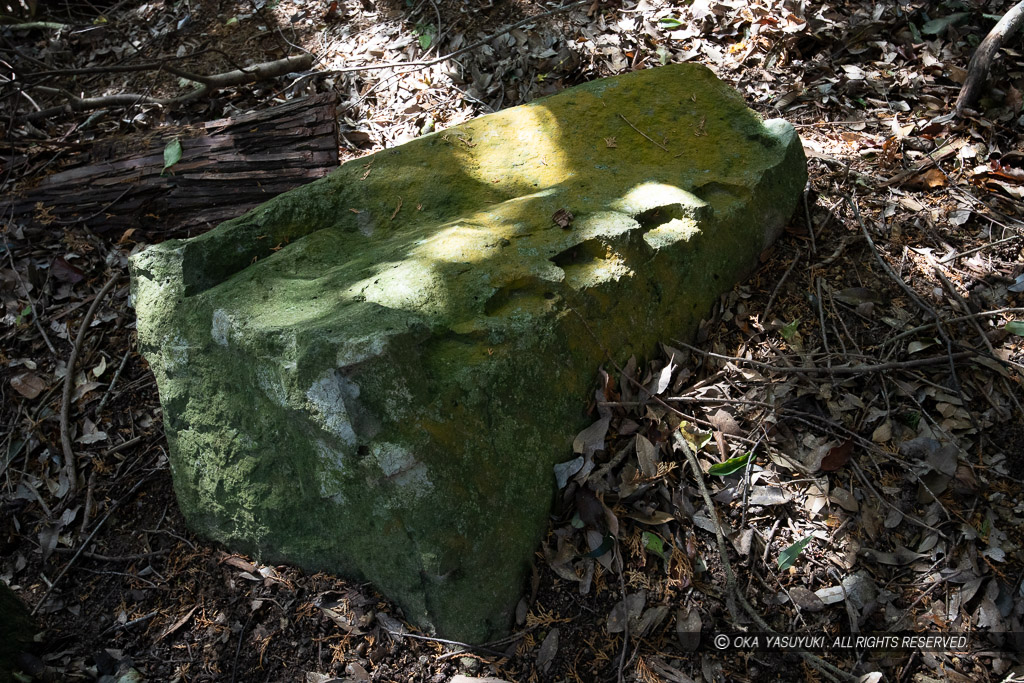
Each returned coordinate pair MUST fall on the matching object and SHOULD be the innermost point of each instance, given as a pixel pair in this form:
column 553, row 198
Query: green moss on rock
column 375, row 373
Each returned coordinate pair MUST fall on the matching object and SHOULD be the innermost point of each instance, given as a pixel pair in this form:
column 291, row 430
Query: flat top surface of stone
column 445, row 226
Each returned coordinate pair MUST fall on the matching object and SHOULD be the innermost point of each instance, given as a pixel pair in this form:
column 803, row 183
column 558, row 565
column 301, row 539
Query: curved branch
column 977, row 70
column 208, row 84
column 70, row 466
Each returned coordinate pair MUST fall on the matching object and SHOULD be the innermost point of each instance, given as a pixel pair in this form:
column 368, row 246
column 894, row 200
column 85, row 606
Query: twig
column 152, row 65
column 778, row 287
column 32, row 303
column 824, row 330
column 643, row 133
column 921, row 328
column 38, row 25
column 129, row 624
column 208, row 84
column 810, row 225
column 940, row 328
column 730, row 577
column 967, row 309
column 70, row 468
column 733, row 594
column 238, row 649
column 913, row 519
column 123, row 445
column 87, row 510
column 85, row 544
column 456, row 643
column 625, row 611
column 98, row 557
column 956, row 255
column 110, row 387
column 859, row 369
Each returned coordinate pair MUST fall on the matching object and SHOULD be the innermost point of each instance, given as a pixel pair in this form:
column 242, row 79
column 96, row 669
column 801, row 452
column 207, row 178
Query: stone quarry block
column 375, row 373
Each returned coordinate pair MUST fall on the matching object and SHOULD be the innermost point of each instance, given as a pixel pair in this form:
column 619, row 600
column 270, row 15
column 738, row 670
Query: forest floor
column 871, row 365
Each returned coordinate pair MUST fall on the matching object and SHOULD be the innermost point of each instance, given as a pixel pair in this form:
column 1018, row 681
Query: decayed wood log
column 227, row 167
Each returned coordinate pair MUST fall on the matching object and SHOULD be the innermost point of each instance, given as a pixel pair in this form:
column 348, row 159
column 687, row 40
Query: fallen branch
column 733, row 593
column 859, row 369
column 34, row 25
column 208, row 85
column 977, row 70
column 85, row 544
column 922, row 305
column 70, row 467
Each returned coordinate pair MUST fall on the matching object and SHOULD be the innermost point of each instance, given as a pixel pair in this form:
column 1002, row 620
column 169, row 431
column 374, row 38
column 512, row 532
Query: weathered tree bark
column 16, row 631
column 227, row 167
column 977, row 70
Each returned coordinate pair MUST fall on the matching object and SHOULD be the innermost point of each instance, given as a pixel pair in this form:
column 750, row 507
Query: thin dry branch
column 85, row 544
column 977, row 70
column 208, row 85
column 733, row 593
column 70, row 467
column 858, row 369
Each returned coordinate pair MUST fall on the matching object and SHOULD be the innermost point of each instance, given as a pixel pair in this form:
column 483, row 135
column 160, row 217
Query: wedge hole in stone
column 525, row 294
column 658, row 216
column 579, row 254
column 717, row 194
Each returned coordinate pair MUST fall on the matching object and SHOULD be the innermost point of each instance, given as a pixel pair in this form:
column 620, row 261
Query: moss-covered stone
column 375, row 373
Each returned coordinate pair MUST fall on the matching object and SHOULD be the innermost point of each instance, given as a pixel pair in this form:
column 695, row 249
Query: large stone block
column 375, row 373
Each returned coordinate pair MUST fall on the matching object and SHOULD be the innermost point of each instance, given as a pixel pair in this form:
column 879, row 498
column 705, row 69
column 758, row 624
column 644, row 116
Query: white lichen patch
column 175, row 352
column 330, row 471
column 221, row 327
column 272, row 386
column 326, row 402
column 355, row 350
column 398, row 399
column 401, row 468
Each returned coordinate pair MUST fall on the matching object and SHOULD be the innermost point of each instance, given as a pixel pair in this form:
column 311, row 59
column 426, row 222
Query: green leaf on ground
column 654, row 544
column 937, row 26
column 730, row 466
column 788, row 556
column 789, row 330
column 1015, row 327
column 670, row 22
column 172, row 154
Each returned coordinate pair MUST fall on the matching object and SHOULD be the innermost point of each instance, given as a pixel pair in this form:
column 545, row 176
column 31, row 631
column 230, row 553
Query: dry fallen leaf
column 837, row 456
column 563, row 218
column 28, row 384
column 926, row 180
